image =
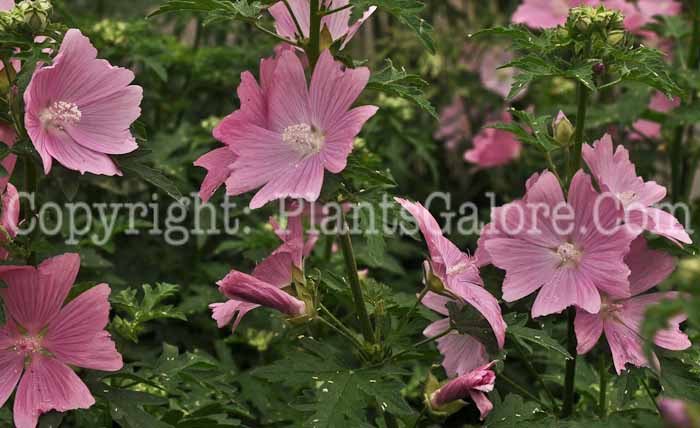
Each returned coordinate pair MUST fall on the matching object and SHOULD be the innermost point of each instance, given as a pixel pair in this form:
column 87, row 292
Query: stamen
column 60, row 114
column 569, row 254
column 303, row 139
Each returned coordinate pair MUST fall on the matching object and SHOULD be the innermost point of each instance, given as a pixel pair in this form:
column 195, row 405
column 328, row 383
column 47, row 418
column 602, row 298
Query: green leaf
column 149, row 308
column 136, row 166
column 214, row 10
column 513, row 412
column 680, row 380
column 125, row 406
column 407, row 12
column 530, row 130
column 400, row 83
column 51, row 420
column 526, row 336
column 467, row 320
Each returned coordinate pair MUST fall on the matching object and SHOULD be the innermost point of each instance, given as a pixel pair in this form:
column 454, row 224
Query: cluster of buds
column 587, row 21
column 27, row 14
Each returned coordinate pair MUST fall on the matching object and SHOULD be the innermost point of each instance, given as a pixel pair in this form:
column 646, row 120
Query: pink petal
column 340, row 139
column 223, row 313
column 356, row 26
column 337, row 23
column 486, row 304
column 277, row 268
column 253, row 105
column 462, row 353
column 482, row 403
column 7, row 136
column 528, row 267
column 634, row 313
column 482, row 256
column 9, row 219
column 626, row 346
column 78, row 158
column 11, row 366
column 217, row 163
column 77, row 336
column 288, row 101
column 541, row 13
column 6, row 5
column 284, row 23
column 436, row 303
column 333, row 91
column 588, row 328
column 239, row 286
column 661, row 223
column 648, row 267
column 566, row 288
column 302, row 181
column 48, row 385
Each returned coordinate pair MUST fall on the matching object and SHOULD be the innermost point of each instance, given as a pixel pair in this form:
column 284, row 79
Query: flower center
column 609, row 309
column 60, row 114
column 569, row 254
column 458, row 268
column 626, row 198
column 304, row 139
column 28, row 345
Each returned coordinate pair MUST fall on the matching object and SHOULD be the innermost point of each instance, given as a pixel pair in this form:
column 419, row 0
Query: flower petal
column 588, row 328
column 566, row 288
column 217, row 163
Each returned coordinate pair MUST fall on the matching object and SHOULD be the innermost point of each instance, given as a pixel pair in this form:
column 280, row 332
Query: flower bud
column 562, row 129
column 473, row 384
column 242, row 287
column 616, row 36
column 676, row 413
column 434, row 283
column 35, row 14
column 599, row 68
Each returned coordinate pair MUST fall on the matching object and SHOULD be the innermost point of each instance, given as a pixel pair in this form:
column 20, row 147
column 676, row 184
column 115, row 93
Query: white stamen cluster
column 569, row 254
column 303, row 139
column 60, row 114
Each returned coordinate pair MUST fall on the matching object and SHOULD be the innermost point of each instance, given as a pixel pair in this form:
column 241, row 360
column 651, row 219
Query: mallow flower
column 337, row 23
column 8, row 138
column 570, row 251
column 494, row 78
column 546, row 13
column 265, row 287
column 454, row 124
column 79, row 109
column 475, row 384
column 42, row 339
column 285, row 135
column 9, row 218
column 676, row 413
column 494, row 147
column 616, row 175
column 647, row 128
column 621, row 318
column 459, row 282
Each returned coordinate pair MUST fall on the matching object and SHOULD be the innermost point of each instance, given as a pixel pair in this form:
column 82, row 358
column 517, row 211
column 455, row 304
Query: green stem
column 296, row 21
column 341, row 332
column 582, row 94
column 275, row 35
column 651, row 396
column 336, row 10
column 569, row 380
column 421, row 343
column 521, row 389
column 537, row 376
column 603, row 374
column 354, row 278
column 407, row 317
column 314, row 49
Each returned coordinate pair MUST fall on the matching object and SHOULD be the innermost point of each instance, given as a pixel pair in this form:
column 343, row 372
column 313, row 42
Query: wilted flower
column 80, row 108
column 617, row 175
column 264, row 286
column 570, row 251
column 474, row 384
column 337, row 23
column 284, row 136
column 494, row 147
column 462, row 285
column 621, row 319
column 44, row 340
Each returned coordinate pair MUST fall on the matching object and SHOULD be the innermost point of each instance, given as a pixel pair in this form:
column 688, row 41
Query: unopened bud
column 616, row 36
column 35, row 14
column 433, row 283
column 599, row 68
column 562, row 129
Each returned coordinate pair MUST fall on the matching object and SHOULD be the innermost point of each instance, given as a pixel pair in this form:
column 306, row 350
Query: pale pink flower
column 493, row 78
column 80, row 108
column 9, row 219
column 494, row 147
column 617, row 175
column 338, row 24
column 546, row 13
column 285, row 135
column 454, row 124
column 6, row 5
column 642, row 13
column 44, row 339
column 460, row 276
column 569, row 251
column 475, row 384
column 264, row 286
column 621, row 318
column 647, row 128
column 675, row 412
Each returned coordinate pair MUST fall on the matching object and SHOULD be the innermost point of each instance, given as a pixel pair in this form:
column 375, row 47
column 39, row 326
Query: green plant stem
column 520, row 389
column 680, row 162
column 537, row 376
column 354, row 278
column 569, row 380
column 651, row 396
column 275, row 35
column 336, row 10
column 407, row 317
column 582, row 94
column 341, row 332
column 421, row 343
column 313, row 51
column 603, row 374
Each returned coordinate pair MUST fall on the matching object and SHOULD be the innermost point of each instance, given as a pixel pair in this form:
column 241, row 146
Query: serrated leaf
column 137, row 167
column 526, row 336
column 399, row 83
column 406, row 11
column 513, row 412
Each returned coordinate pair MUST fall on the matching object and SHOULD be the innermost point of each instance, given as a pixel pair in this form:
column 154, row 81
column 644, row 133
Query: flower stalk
column 569, row 380
column 313, row 51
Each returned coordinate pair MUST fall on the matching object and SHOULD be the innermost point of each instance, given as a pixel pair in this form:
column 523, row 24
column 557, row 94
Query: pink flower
column 6, row 5
column 7, row 137
column 474, row 384
column 675, row 412
column 569, row 251
column 494, row 147
column 640, row 14
column 9, row 219
column 285, row 135
column 460, row 277
column 336, row 23
column 264, row 287
column 44, row 340
column 546, row 13
column 617, row 175
column 80, row 108
column 660, row 103
column 621, row 318
column 495, row 79
column 454, row 124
